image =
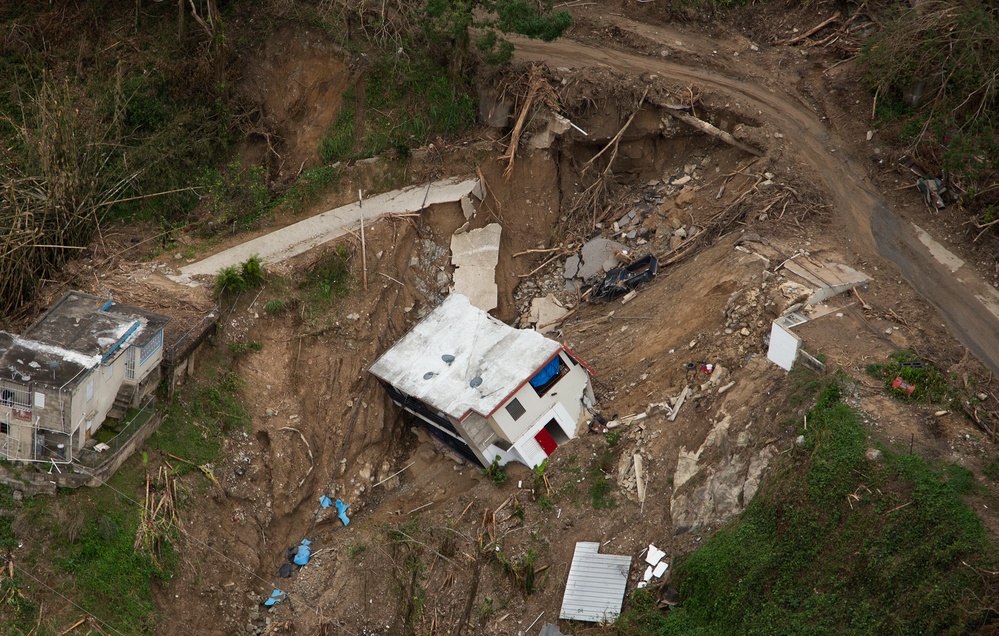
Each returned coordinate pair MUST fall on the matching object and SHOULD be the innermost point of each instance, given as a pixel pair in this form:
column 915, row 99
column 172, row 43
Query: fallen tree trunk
column 714, row 131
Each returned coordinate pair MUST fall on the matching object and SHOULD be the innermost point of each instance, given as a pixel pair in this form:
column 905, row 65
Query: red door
column 546, row 442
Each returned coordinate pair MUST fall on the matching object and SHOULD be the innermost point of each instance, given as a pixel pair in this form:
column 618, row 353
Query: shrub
column 495, row 472
column 239, row 278
column 274, row 306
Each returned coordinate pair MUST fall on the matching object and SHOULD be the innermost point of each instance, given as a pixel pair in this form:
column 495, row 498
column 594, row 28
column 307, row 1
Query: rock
column 686, row 197
column 684, row 180
column 873, row 455
column 353, row 316
column 571, row 267
column 799, row 441
column 682, row 233
column 17, row 495
column 270, row 412
column 744, row 332
column 595, row 255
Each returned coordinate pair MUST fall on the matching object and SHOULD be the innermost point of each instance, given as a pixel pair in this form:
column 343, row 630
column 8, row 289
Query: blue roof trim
column 121, row 340
column 107, row 305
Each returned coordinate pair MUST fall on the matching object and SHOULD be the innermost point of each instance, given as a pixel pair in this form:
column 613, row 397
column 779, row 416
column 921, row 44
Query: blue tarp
column 546, row 373
column 276, row 597
column 303, row 553
column 325, row 502
column 341, row 509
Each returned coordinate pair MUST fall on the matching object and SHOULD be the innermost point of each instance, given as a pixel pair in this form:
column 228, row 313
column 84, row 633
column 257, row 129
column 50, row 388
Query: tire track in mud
column 968, row 305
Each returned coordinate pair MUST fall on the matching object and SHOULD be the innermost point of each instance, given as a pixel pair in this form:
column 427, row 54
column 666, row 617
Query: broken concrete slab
column 544, row 311
column 554, row 125
column 571, row 267
column 596, row 254
column 828, row 279
column 301, row 237
column 475, row 255
column 467, row 208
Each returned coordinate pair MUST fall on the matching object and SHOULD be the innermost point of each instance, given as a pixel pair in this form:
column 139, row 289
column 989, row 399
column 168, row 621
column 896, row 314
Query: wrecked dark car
column 621, row 280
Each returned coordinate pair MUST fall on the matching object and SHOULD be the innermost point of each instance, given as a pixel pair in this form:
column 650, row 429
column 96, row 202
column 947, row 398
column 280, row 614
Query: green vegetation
column 931, row 385
column 237, row 197
column 833, row 543
column 201, row 414
column 405, row 104
column 447, row 24
column 100, row 137
column 601, row 485
column 240, row 348
column 114, row 580
column 236, row 279
column 274, row 306
column 329, row 279
column 355, row 550
column 18, row 615
column 991, row 469
column 495, row 472
column 523, row 572
column 933, row 69
column 310, row 187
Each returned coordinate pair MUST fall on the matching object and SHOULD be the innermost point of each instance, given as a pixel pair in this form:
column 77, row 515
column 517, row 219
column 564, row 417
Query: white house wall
column 568, row 392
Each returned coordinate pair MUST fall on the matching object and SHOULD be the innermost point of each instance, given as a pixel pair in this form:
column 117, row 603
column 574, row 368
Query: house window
column 90, row 390
column 549, row 375
column 15, row 396
column 515, row 409
column 151, row 347
column 4, row 428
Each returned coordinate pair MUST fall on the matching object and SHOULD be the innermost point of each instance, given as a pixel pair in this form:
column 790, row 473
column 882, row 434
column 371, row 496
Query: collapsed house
column 83, row 359
column 487, row 390
column 818, row 282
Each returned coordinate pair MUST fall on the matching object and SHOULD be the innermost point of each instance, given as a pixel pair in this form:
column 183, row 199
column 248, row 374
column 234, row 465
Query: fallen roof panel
column 595, row 588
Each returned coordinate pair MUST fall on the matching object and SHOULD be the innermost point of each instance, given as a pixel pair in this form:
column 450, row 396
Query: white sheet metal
column 596, row 585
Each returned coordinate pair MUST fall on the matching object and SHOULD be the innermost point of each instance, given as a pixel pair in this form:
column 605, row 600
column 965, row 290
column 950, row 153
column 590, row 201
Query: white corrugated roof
column 596, row 585
column 503, row 357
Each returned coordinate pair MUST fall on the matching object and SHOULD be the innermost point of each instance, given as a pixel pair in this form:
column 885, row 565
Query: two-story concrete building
column 81, row 359
column 484, row 388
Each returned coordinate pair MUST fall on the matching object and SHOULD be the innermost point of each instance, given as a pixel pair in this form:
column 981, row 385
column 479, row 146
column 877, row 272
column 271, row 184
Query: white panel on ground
column 595, row 588
column 783, row 346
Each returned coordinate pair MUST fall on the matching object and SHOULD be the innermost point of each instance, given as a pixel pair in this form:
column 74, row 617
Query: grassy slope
column 834, row 543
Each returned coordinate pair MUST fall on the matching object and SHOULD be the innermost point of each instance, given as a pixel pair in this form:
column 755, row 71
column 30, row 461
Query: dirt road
column 967, row 304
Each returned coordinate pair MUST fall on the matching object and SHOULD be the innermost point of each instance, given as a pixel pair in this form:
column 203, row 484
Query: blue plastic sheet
column 325, row 502
column 341, row 510
column 304, row 552
column 276, row 597
column 546, row 373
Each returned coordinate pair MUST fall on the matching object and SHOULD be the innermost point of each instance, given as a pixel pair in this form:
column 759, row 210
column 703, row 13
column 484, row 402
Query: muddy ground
column 438, row 547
